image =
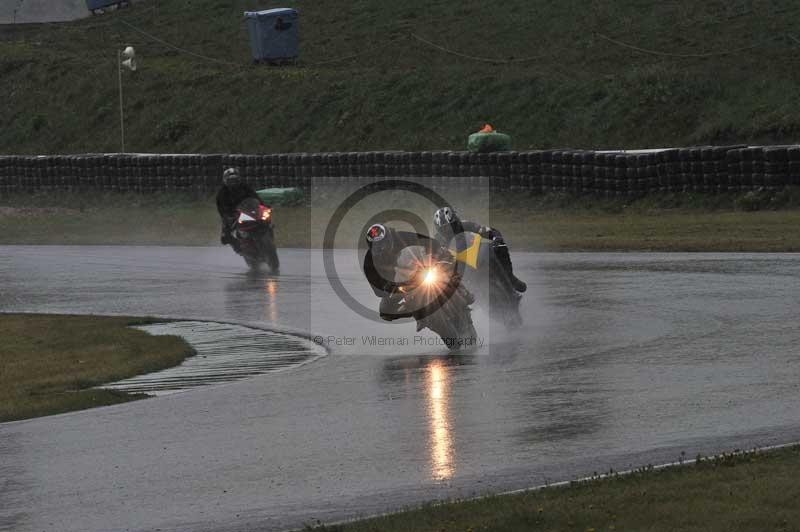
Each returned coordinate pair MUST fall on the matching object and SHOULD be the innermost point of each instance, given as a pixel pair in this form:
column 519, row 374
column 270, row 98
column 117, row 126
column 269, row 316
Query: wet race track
column 625, row 360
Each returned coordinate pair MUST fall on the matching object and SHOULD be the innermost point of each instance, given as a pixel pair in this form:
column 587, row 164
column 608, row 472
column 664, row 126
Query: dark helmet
column 231, row 177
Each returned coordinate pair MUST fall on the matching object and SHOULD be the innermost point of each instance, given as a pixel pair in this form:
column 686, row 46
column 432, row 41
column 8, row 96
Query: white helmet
column 231, row 176
column 444, row 216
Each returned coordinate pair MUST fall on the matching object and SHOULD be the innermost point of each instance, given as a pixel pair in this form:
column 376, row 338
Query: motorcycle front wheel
column 270, row 254
column 272, row 260
column 454, row 326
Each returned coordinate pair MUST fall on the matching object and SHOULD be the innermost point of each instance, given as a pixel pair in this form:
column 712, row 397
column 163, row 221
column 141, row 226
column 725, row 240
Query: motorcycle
column 485, row 277
column 254, row 234
column 437, row 300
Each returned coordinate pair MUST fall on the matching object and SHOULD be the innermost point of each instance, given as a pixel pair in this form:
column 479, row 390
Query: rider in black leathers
column 384, row 248
column 230, row 195
column 448, row 225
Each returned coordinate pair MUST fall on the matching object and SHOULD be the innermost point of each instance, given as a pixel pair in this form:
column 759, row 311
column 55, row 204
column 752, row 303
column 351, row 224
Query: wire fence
column 131, row 21
column 178, row 48
column 406, row 37
column 701, row 55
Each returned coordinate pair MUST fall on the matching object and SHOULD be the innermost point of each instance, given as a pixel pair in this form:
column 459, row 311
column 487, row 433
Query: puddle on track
column 224, row 353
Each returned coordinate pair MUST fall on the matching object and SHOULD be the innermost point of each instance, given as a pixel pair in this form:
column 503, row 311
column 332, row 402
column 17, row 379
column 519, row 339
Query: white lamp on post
column 125, row 58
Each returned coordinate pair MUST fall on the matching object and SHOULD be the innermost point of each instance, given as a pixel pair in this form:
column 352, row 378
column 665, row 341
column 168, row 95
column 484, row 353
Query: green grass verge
column 94, row 218
column 679, row 73
column 51, row 363
column 750, row 492
column 751, row 222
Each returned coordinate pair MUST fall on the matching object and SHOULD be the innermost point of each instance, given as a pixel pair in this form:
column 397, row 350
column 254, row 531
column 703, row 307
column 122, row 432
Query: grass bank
column 751, row 222
column 51, row 363
column 750, row 492
column 417, row 74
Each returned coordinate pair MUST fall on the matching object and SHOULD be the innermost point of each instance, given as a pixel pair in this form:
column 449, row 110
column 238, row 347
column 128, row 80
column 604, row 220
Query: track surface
column 628, row 359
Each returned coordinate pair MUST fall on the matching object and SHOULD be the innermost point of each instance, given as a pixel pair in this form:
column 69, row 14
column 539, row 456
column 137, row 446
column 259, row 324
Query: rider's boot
column 505, row 260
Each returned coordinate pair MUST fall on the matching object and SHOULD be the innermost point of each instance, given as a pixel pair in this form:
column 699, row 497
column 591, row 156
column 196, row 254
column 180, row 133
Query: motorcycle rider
column 385, row 245
column 233, row 191
column 448, row 225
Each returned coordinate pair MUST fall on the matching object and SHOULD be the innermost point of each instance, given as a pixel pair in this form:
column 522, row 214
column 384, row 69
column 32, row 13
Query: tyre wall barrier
column 709, row 169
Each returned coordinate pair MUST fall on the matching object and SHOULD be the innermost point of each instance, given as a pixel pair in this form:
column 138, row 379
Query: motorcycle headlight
column 430, row 276
column 266, row 214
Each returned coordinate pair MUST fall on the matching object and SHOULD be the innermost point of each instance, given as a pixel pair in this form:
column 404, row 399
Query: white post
column 121, row 115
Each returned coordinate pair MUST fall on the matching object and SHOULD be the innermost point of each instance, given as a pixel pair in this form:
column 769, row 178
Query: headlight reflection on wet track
column 441, row 442
column 272, row 299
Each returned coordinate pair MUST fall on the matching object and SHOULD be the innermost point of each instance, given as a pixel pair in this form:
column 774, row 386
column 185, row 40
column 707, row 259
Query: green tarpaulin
column 281, row 196
column 486, row 142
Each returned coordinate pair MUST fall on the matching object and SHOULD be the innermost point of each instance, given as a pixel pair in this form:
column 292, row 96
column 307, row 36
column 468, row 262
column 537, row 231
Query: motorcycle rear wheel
column 504, row 300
